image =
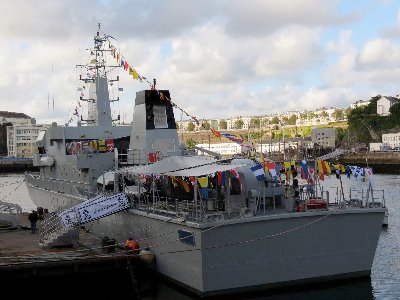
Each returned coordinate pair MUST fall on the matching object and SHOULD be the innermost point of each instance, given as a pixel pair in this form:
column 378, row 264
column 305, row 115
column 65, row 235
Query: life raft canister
column 316, row 204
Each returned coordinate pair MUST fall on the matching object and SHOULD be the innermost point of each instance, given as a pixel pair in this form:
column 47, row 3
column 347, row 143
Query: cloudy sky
column 218, row 58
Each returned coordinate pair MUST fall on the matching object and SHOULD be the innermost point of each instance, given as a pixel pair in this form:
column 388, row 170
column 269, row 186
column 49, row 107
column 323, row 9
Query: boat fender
column 147, row 256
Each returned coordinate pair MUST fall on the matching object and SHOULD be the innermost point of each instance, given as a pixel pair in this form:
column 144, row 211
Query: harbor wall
column 17, row 165
column 380, row 162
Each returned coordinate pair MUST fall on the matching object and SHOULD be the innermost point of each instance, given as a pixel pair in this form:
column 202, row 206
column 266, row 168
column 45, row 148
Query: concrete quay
column 21, row 256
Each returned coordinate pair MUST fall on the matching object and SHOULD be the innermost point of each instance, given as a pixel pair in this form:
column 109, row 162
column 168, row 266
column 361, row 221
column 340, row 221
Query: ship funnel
column 154, row 133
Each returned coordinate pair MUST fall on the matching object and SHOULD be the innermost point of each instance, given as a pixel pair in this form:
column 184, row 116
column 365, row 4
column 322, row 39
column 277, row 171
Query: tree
column 239, row 123
column 190, row 143
column 285, row 120
column 340, row 134
column 222, row 124
column 190, row 126
column 338, row 114
column 292, row 120
column 206, row 125
column 275, row 120
column 347, row 112
column 255, row 123
column 311, row 115
column 324, row 114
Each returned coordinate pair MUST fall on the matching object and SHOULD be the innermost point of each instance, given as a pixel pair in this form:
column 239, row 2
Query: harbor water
column 384, row 282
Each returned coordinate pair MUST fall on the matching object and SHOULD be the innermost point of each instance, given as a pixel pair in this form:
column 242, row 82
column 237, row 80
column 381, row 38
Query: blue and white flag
column 258, row 171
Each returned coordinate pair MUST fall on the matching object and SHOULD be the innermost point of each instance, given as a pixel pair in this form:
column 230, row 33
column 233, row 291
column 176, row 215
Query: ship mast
column 99, row 111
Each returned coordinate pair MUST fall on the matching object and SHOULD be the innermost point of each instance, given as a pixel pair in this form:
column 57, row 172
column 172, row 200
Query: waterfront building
column 21, row 139
column 325, row 137
column 391, row 140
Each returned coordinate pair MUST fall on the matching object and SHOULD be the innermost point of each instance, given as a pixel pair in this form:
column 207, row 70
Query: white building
column 384, row 104
column 359, row 103
column 222, row 148
column 21, row 139
column 325, row 137
column 391, row 140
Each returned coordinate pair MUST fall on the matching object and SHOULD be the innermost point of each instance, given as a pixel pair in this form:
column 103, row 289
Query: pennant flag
column 203, row 181
column 184, row 184
column 311, row 174
column 304, row 169
column 126, row 66
column 93, row 61
column 174, row 181
column 133, row 72
column 271, row 168
column 258, row 171
column 120, row 89
column 122, row 62
column 162, row 96
column 319, row 168
column 216, row 133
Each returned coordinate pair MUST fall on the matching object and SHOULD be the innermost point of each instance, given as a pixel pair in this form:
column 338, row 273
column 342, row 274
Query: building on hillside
column 325, row 137
column 21, row 139
column 391, row 140
column 384, row 104
column 222, row 148
column 376, row 146
column 359, row 103
column 15, row 118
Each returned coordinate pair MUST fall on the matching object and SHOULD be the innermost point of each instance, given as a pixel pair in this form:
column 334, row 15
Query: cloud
column 218, row 58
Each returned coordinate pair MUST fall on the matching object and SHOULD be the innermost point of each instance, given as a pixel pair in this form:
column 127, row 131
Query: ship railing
column 170, row 206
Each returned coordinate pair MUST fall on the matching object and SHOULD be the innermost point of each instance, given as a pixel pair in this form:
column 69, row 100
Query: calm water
column 383, row 284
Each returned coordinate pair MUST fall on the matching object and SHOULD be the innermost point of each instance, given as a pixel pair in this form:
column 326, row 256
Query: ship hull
column 247, row 253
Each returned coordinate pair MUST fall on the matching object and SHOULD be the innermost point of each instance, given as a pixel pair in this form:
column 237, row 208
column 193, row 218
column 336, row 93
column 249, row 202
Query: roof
column 392, row 99
column 9, row 114
column 184, row 166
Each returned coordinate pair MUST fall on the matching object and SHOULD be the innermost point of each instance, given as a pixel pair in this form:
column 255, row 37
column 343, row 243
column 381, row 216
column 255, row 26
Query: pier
column 21, row 257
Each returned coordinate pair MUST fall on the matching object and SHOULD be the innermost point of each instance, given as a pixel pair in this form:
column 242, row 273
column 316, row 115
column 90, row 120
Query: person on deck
column 131, row 245
column 33, row 218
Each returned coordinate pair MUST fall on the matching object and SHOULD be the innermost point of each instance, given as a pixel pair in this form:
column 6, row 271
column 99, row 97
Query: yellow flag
column 203, row 181
column 287, row 165
column 328, row 168
column 320, row 169
column 135, row 74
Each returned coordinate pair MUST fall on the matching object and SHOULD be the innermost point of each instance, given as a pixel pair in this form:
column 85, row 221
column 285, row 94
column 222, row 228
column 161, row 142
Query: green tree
column 338, row 114
column 311, row 115
column 206, row 125
column 324, row 114
column 239, row 123
column 347, row 112
column 222, row 124
column 254, row 122
column 275, row 120
column 190, row 126
column 190, row 143
column 340, row 134
column 292, row 120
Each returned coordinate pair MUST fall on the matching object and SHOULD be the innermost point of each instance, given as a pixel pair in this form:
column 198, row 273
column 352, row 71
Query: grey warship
column 246, row 236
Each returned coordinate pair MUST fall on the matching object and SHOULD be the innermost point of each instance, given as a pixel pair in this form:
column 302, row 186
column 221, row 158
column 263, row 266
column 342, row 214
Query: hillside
column 264, row 135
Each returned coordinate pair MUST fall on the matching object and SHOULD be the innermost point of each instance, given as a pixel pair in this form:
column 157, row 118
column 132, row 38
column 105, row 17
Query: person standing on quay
column 33, row 218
